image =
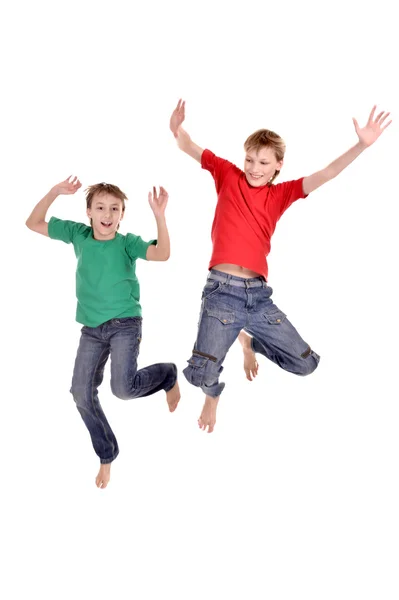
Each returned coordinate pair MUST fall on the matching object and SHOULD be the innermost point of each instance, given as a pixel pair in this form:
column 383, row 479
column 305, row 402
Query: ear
column 279, row 165
column 88, row 213
column 122, row 215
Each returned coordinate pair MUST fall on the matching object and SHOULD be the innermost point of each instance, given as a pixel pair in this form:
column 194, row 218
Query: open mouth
column 106, row 224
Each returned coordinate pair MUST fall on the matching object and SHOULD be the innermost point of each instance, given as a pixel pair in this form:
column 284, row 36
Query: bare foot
column 173, row 397
column 103, row 476
column 251, row 365
column 208, row 415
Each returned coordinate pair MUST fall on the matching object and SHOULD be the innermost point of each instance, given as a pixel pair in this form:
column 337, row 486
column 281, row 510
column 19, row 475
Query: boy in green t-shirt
column 108, row 296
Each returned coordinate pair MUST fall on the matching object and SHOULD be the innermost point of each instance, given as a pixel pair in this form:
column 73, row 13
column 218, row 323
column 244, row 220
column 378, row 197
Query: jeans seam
column 92, row 397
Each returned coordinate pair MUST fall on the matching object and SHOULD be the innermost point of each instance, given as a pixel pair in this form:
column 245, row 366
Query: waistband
column 238, row 281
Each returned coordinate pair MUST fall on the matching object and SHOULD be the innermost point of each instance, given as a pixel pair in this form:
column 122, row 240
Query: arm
column 37, row 219
column 184, row 141
column 367, row 136
column 158, row 204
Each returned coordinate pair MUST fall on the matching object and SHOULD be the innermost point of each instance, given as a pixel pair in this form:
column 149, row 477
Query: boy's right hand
column 67, row 187
column 177, row 117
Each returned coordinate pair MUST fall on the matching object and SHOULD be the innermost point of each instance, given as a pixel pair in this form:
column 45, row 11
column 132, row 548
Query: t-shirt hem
column 94, row 324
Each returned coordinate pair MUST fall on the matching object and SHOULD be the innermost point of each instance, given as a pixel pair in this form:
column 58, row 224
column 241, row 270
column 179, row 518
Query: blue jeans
column 230, row 304
column 121, row 339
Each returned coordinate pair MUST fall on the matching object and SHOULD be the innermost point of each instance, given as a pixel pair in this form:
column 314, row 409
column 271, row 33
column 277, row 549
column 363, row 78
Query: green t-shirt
column 106, row 283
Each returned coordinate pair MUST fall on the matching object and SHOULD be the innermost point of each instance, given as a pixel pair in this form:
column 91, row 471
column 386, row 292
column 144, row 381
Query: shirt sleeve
column 218, row 167
column 288, row 192
column 136, row 247
column 65, row 231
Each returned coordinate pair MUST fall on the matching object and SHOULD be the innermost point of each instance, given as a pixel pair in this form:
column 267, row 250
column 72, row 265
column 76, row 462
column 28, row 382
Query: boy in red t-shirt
column 236, row 297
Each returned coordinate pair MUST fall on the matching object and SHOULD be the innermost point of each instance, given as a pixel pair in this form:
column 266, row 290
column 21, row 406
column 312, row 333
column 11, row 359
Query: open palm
column 178, row 116
column 158, row 202
column 67, row 186
column 373, row 128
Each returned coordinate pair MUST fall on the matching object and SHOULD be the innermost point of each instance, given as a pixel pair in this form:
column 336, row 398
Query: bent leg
column 87, row 376
column 277, row 339
column 126, row 381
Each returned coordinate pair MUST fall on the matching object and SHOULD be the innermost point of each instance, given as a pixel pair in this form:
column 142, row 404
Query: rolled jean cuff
column 213, row 391
column 106, row 461
column 172, row 378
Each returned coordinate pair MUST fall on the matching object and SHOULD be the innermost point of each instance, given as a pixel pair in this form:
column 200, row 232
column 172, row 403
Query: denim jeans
column 230, row 304
column 119, row 338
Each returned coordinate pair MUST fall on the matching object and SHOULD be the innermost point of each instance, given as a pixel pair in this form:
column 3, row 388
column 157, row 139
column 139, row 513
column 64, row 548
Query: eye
column 248, row 160
column 115, row 209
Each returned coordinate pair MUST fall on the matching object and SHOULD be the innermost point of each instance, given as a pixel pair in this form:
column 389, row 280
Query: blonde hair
column 265, row 138
column 104, row 188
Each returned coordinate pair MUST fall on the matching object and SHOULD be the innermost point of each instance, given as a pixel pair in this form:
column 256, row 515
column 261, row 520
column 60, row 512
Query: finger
column 356, row 124
column 178, row 104
column 372, row 113
column 385, row 126
column 376, row 120
column 385, row 117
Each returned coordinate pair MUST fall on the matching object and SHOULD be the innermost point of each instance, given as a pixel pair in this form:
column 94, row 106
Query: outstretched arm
column 367, row 136
column 184, row 141
column 37, row 219
column 158, row 204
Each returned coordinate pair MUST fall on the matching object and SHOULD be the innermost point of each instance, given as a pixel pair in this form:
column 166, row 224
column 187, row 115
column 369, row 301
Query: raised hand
column 67, row 186
column 177, row 118
column 158, row 203
column 373, row 129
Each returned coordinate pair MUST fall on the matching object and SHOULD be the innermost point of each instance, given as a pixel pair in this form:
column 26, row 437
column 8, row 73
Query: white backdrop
column 295, row 494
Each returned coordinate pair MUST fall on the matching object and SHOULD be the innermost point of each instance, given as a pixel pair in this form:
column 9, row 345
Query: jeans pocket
column 211, row 288
column 198, row 362
column 226, row 317
column 276, row 317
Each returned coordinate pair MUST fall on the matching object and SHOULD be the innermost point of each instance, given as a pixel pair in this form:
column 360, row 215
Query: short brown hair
column 104, row 188
column 265, row 138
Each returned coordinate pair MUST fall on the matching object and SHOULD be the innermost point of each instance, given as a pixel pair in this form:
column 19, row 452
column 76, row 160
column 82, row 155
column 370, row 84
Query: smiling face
column 264, row 157
column 260, row 166
column 106, row 212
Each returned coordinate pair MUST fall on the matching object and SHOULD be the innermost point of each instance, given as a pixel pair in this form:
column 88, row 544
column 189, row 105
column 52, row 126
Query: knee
column 120, row 390
column 80, row 394
column 309, row 363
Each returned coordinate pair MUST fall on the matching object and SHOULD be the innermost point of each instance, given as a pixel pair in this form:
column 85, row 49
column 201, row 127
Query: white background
column 295, row 494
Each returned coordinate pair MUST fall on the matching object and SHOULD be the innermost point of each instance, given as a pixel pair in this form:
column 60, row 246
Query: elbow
column 165, row 257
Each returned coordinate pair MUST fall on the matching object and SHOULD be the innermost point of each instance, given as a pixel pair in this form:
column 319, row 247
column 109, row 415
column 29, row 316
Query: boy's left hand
column 158, row 203
column 373, row 129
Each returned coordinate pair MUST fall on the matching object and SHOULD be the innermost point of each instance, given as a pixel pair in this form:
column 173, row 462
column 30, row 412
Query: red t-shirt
column 245, row 216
